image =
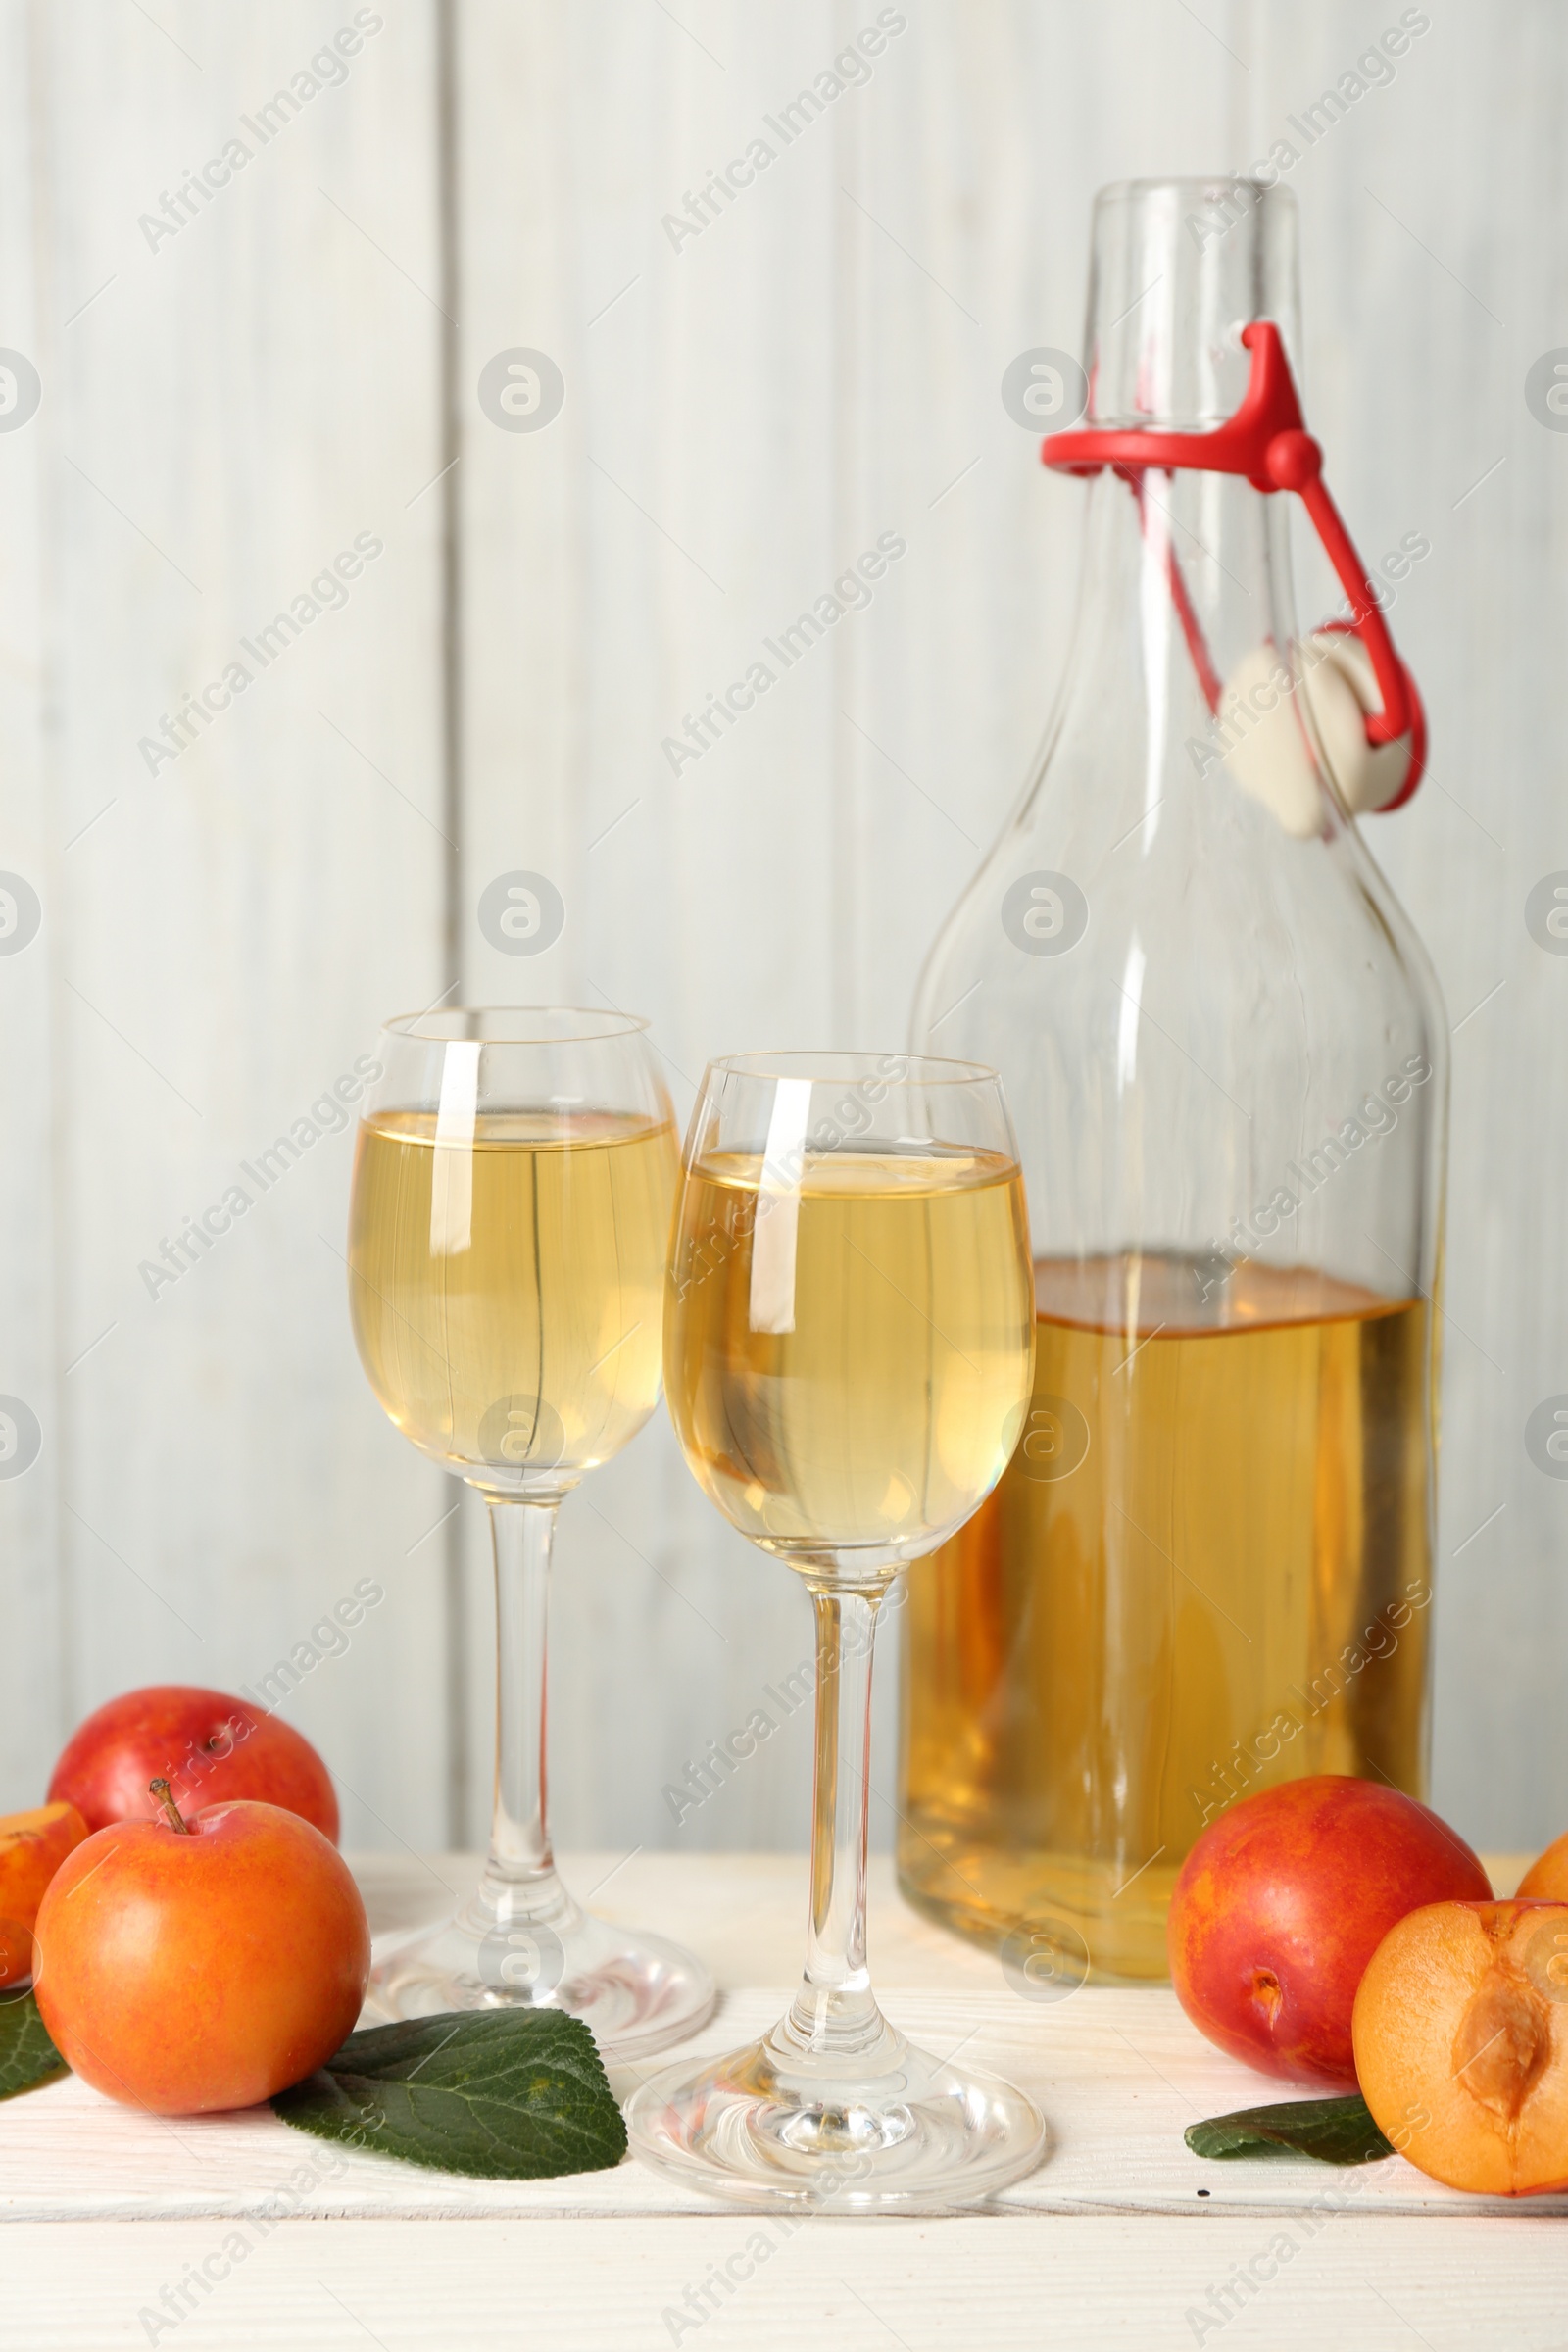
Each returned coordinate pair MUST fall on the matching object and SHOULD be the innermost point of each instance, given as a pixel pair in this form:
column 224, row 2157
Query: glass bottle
column 1208, row 1566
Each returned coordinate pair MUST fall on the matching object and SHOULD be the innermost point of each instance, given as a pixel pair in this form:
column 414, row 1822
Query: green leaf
column 28, row 2056
column 503, row 2095
column 1332, row 2131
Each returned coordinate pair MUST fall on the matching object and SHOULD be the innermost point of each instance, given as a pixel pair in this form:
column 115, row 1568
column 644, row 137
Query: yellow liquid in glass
column 1206, row 1569
column 848, row 1363
column 507, row 1297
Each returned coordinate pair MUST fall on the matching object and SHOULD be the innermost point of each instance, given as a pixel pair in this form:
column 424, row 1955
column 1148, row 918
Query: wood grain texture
column 1118, row 2076
column 745, row 410
column 620, row 567
column 1427, row 298
column 297, row 2244
column 33, row 1655
column 964, row 178
column 559, row 2284
column 235, row 405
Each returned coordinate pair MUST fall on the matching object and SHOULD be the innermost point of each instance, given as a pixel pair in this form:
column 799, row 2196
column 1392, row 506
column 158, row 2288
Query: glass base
column 891, row 2130
column 637, row 1993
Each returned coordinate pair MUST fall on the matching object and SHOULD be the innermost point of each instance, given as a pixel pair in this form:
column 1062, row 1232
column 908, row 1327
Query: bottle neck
column 1185, row 637
column 1180, row 955
column 1177, row 269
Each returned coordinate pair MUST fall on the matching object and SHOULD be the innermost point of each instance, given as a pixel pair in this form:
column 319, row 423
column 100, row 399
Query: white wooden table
column 1120, row 2238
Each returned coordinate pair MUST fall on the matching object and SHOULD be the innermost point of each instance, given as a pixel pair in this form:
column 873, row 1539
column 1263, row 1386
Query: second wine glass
column 849, row 1333
column 512, row 1184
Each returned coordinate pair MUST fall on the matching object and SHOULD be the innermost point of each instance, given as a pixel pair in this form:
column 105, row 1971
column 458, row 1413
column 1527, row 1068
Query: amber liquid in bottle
column 1206, row 1569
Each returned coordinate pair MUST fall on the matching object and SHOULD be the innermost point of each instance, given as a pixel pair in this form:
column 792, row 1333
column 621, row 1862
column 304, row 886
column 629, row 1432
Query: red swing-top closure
column 1266, row 442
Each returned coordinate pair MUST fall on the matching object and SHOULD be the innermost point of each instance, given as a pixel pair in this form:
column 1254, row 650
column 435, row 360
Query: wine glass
column 848, row 1341
column 514, row 1177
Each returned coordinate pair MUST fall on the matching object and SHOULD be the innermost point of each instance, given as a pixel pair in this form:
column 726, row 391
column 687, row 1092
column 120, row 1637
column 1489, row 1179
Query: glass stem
column 834, row 2013
column 519, row 1876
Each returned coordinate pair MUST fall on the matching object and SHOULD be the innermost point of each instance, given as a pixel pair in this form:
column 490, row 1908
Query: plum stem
column 171, row 1813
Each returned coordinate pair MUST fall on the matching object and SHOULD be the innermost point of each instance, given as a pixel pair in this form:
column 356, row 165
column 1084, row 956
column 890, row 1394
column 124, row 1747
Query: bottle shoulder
column 1300, row 942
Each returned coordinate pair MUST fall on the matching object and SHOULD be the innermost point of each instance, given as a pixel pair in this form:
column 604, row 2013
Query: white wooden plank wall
column 743, row 414
column 225, row 415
